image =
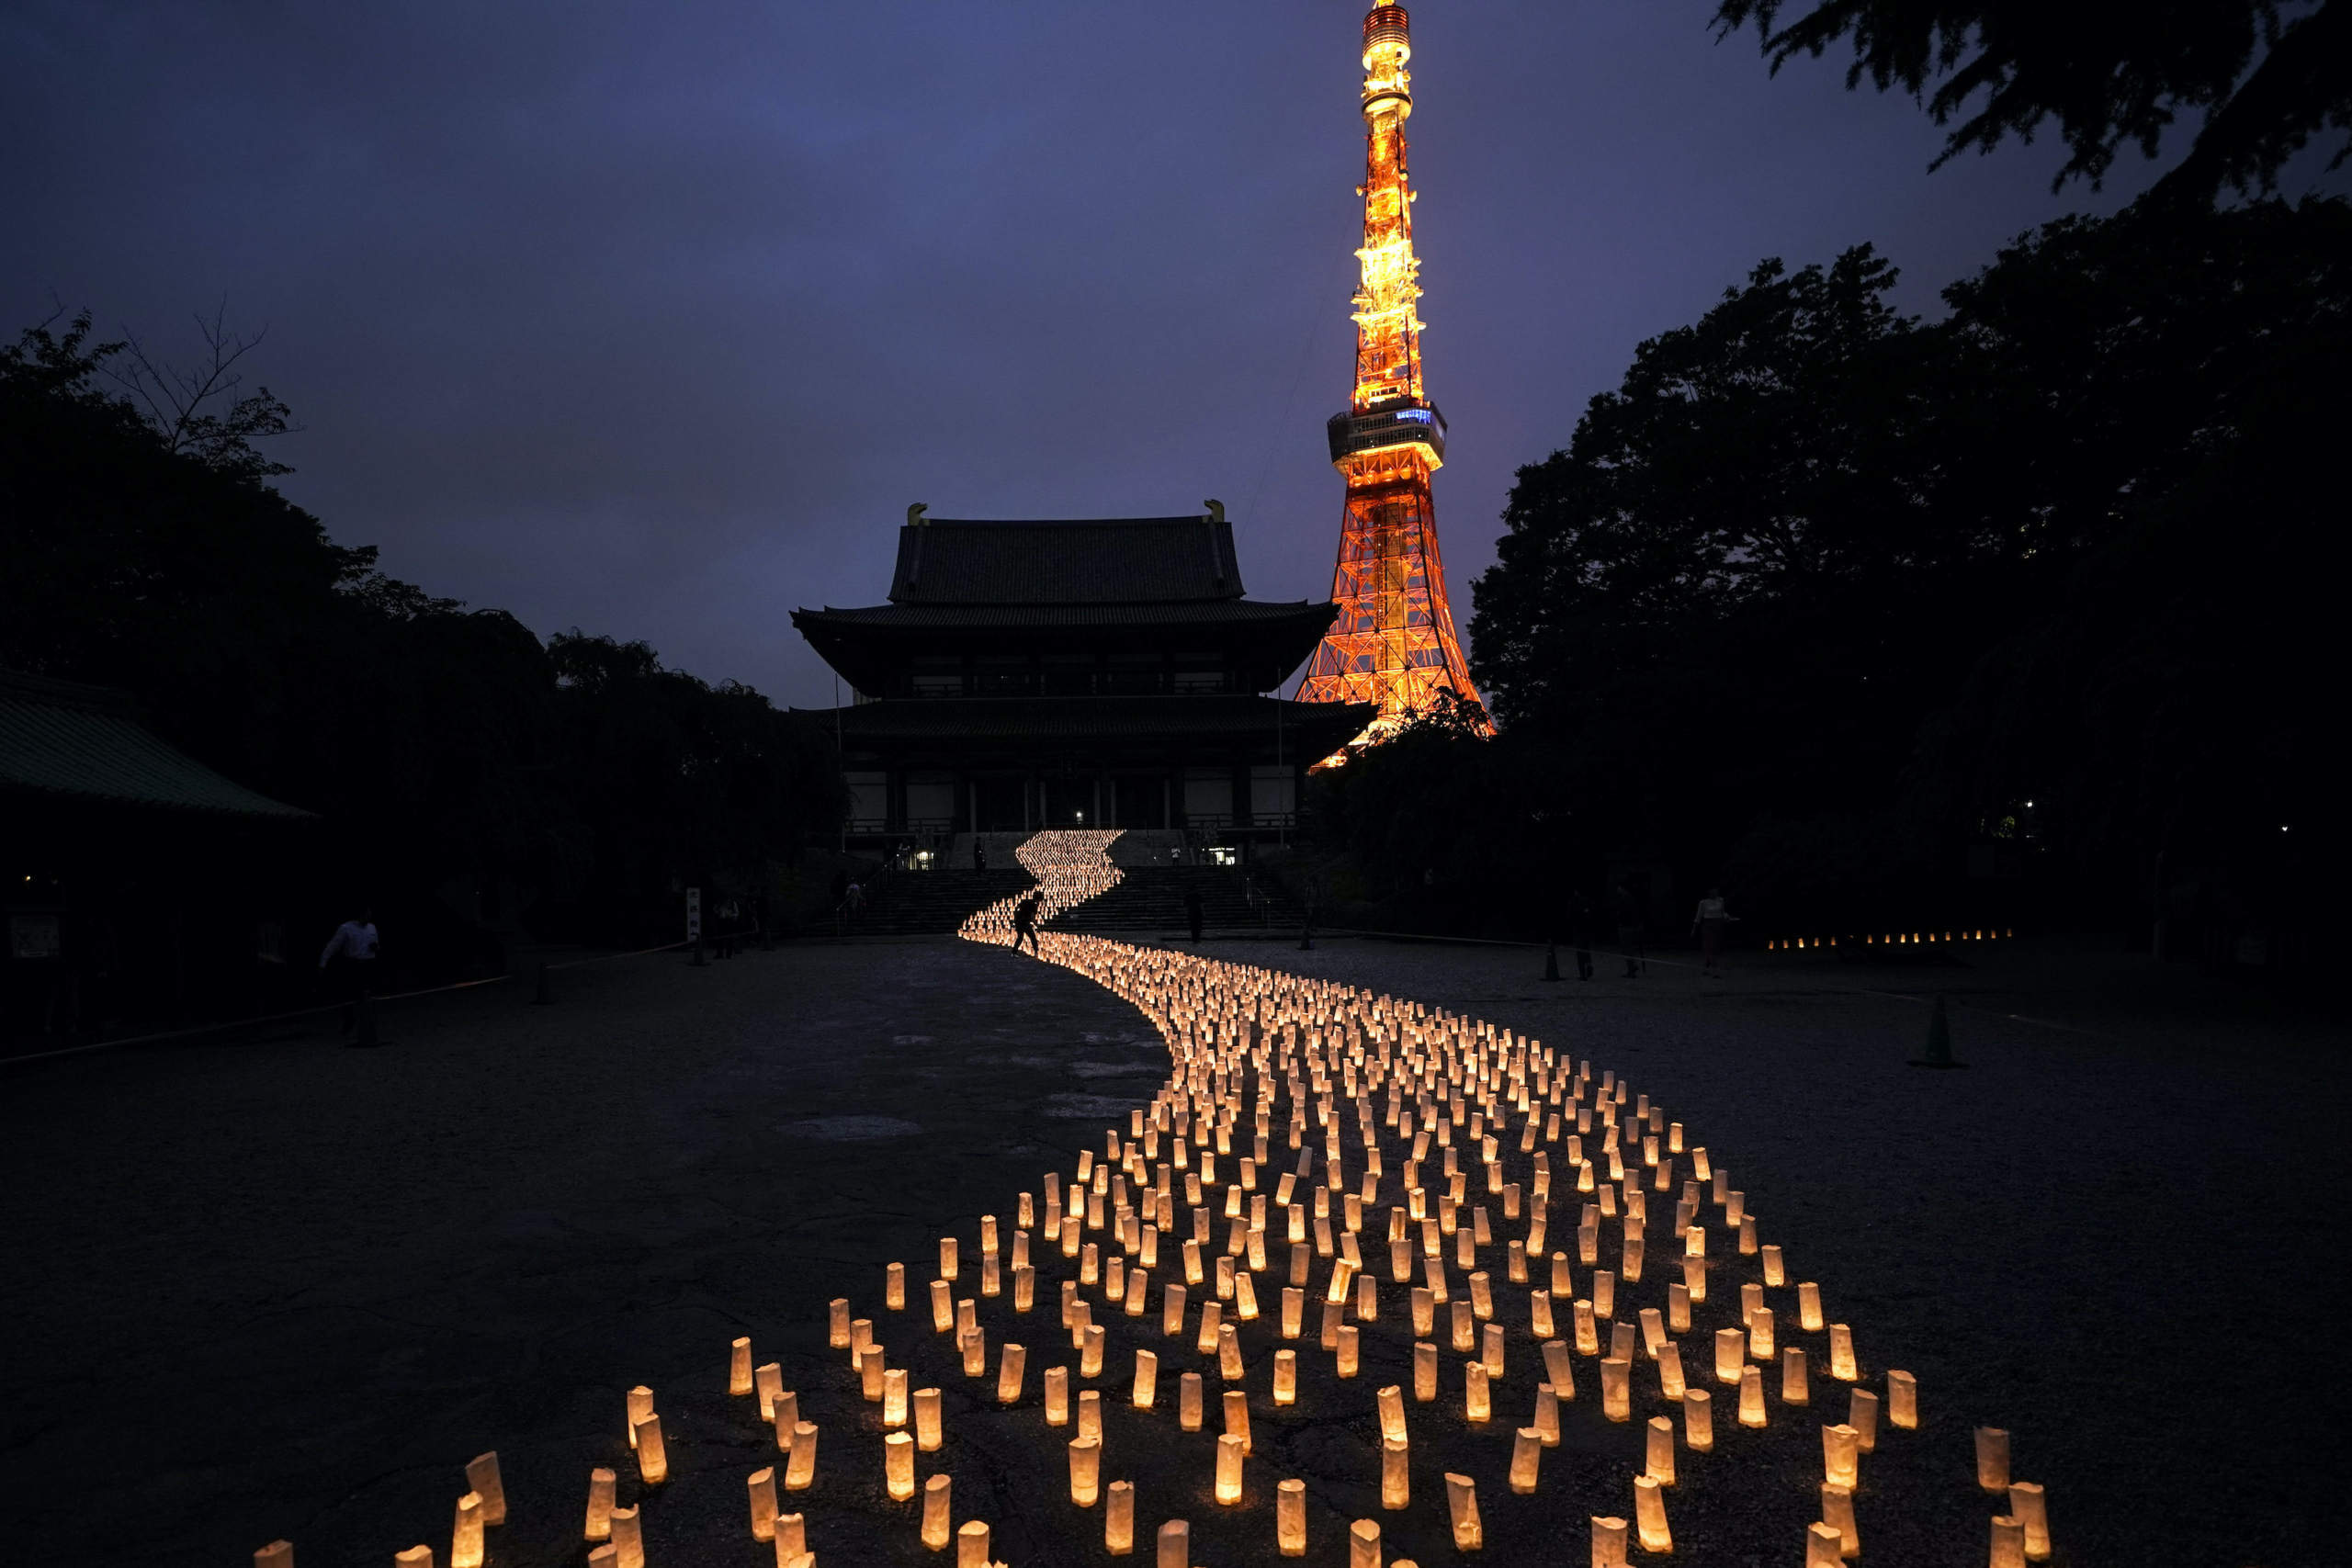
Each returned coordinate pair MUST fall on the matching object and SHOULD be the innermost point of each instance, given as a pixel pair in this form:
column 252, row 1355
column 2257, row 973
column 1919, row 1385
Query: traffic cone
column 546, row 990
column 1939, row 1040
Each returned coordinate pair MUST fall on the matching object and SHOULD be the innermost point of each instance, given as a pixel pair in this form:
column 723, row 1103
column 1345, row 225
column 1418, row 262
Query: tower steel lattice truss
column 1393, row 643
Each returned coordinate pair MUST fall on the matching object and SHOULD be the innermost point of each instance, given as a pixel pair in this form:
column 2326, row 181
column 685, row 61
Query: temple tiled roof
column 62, row 738
column 980, row 617
column 1089, row 561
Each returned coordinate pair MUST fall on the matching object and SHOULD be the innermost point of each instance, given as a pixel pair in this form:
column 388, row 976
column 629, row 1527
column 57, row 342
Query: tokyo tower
column 1393, row 643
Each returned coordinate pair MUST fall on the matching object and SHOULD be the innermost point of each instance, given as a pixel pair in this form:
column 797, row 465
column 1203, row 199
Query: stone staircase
column 1147, row 898
column 1151, row 898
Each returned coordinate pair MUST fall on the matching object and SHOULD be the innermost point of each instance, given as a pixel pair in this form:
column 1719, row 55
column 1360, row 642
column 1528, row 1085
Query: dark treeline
column 470, row 778
column 2021, row 614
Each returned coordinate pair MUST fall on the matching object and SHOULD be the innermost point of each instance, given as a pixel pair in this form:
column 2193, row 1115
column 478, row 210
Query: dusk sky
column 652, row 320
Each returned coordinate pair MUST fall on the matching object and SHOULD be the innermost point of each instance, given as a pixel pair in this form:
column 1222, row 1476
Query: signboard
column 35, row 936
column 693, row 914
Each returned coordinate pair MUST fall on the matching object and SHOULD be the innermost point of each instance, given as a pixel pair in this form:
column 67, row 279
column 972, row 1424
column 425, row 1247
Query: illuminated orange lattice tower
column 1393, row 643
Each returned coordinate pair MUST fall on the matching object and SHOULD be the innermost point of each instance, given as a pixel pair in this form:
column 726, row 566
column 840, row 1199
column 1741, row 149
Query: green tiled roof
column 60, row 738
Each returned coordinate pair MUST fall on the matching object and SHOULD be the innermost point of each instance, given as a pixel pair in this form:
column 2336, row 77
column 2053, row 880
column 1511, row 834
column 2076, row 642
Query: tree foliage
column 2265, row 76
column 141, row 546
column 1821, row 587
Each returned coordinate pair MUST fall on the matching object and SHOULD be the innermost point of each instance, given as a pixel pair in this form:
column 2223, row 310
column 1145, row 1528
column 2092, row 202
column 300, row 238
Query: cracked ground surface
column 279, row 1288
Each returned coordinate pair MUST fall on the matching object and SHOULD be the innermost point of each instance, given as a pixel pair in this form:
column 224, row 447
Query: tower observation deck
column 1393, row 643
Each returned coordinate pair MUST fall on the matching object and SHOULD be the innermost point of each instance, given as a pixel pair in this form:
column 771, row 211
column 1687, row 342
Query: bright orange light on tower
column 1393, row 642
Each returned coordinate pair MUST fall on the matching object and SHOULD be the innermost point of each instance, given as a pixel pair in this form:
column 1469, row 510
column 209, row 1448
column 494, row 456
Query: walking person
column 349, row 964
column 1024, row 923
column 1193, row 910
column 1580, row 933
column 1711, row 921
column 1629, row 930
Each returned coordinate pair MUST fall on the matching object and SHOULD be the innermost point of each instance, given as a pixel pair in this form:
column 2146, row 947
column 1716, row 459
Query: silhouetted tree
column 2266, row 75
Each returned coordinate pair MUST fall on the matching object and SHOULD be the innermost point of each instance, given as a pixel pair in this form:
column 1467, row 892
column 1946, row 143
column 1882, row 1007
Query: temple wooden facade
column 1101, row 674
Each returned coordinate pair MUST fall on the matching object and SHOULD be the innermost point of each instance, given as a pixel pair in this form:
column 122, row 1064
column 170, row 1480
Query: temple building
column 1101, row 674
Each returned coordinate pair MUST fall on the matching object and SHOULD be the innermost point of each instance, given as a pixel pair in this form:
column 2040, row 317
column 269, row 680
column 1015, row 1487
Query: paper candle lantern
column 1345, row 1365
column 1751, row 1397
column 1653, row 1332
column 1558, row 1370
column 1773, row 1273
column 1659, row 1451
column 1228, row 1469
column 1839, row 1455
column 1560, row 1284
column 1838, row 1513
column 1188, row 1402
column 1465, row 1331
column 1992, row 1459
column 1540, row 1313
column 1119, row 1518
column 1809, row 1307
column 1731, row 1354
column 1363, row 1544
column 767, row 1382
column 1822, row 1545
column 1462, row 1504
column 947, row 1257
column 1090, row 1359
column 1695, row 1277
column 1633, row 1261
column 1012, row 1364
column 1671, row 1382
column 927, row 1425
column 1546, row 1420
column 2030, row 1509
column 1228, row 1354
column 1587, row 1331
column 2008, row 1542
column 1391, row 1404
column 652, row 1456
column 1212, row 1320
column 1902, row 1401
column 1085, row 1470
column 1024, row 1288
column 1863, row 1417
column 1090, row 1413
column 1526, row 1453
column 739, row 1367
column 1482, row 1296
column 1841, row 1353
column 628, row 1538
column 1396, row 1478
column 1476, row 1402
column 600, row 1505
column 465, row 1535
column 1698, row 1421
column 943, row 1306
column 837, row 1323
column 1236, row 1417
column 1604, row 1293
column 1608, row 1542
column 277, row 1554
column 1285, row 1377
column 1367, row 1298
column 972, row 1545
column 1795, row 1389
column 1616, row 1391
column 800, row 1469
column 899, row 1466
column 1290, row 1519
column 1649, row 1516
column 1175, row 1545
column 936, row 1526
column 415, row 1557
column 639, row 1405
column 760, row 1486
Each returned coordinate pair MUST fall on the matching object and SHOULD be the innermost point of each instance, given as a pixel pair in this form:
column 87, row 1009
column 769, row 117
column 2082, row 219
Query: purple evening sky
column 651, row 319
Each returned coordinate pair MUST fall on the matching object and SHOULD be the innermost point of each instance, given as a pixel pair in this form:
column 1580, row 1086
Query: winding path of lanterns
column 1325, row 1166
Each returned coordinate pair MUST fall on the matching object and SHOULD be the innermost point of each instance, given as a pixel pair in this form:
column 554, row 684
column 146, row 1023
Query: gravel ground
column 283, row 1289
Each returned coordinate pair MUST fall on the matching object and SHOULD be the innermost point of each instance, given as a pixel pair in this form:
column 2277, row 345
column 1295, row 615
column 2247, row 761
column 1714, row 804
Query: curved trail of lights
column 1331, row 1177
